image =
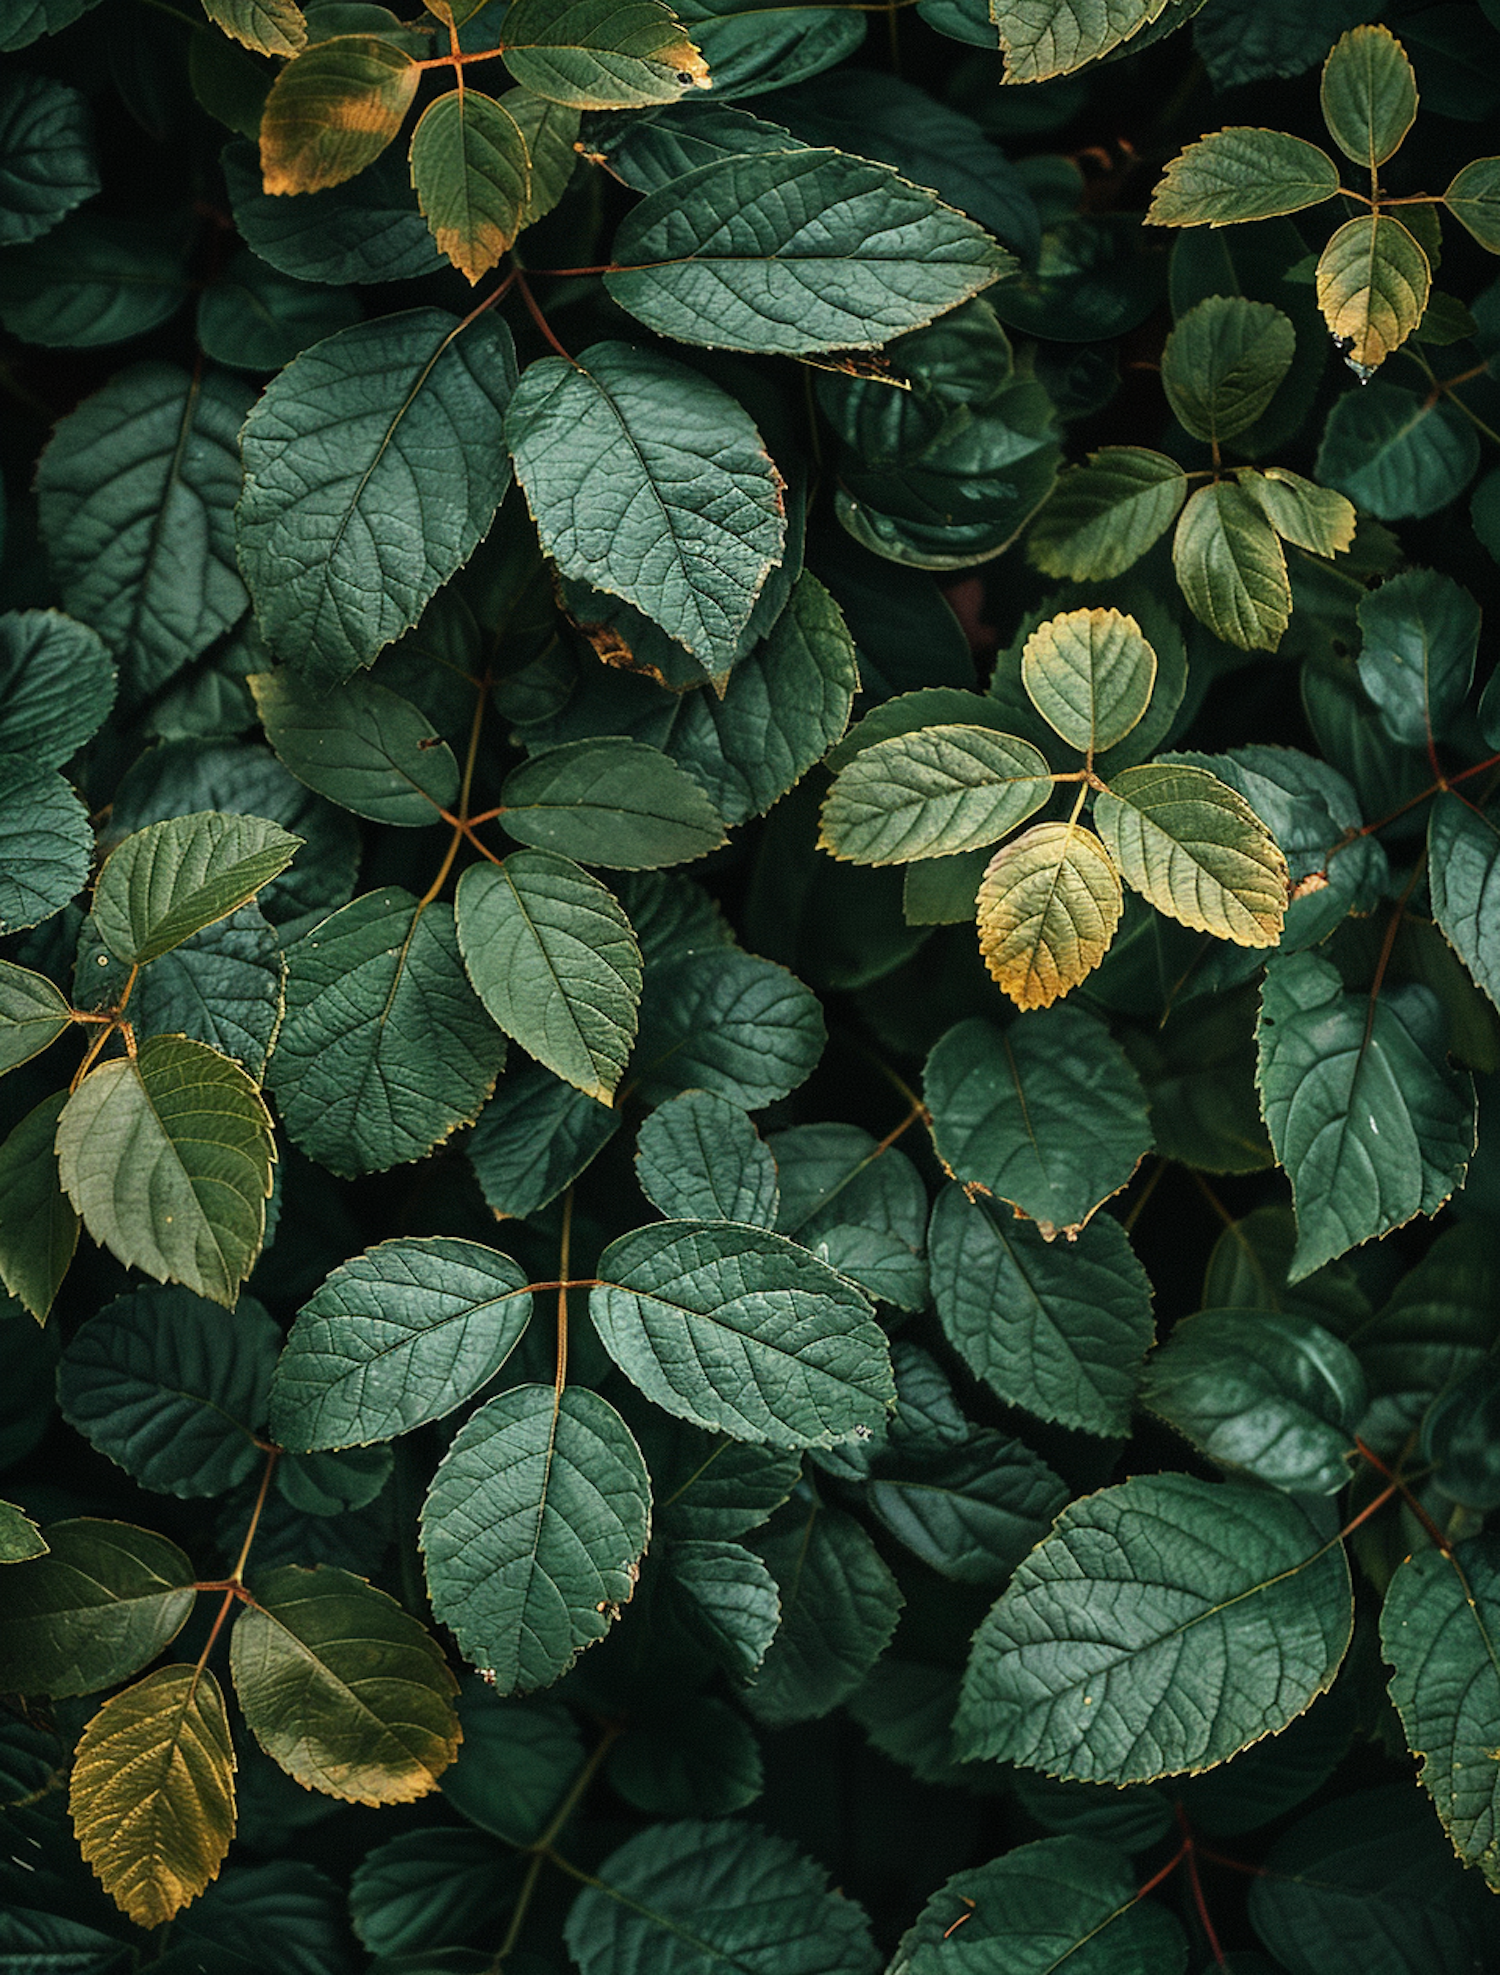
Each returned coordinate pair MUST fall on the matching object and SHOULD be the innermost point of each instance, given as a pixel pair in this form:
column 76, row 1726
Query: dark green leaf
column 1463, row 855
column 697, row 1759
column 95, row 1610
column 611, row 802
column 839, row 1606
column 46, row 155
column 932, row 793
column 1223, row 363
column 20, row 1539
column 33, row 1014
column 726, row 1022
column 254, row 317
column 472, row 173
column 38, row 1226
column 599, row 55
column 364, row 747
column 1397, row 454
column 534, row 1138
column 45, row 843
column 751, row 47
column 331, row 1484
column 515, row 1764
column 56, row 685
column 369, row 230
column 699, row 1157
column 971, row 1512
column 731, row 1601
column 170, row 880
column 1420, row 630
column 95, row 280
column 712, row 1487
column 1242, row 174
column 429, row 1889
column 1369, row 95
column 1105, row 515
column 857, row 1204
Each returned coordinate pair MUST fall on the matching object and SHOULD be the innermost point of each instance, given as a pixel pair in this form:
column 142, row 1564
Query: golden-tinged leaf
column 1196, row 849
column 270, row 27
column 471, row 170
column 1373, row 281
column 333, row 110
column 152, row 1795
column 1049, row 904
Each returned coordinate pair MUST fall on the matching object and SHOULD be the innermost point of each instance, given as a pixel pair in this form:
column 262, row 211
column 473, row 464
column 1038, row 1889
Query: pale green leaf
column 1463, row 863
column 33, row 1014
column 1048, row 906
column 796, row 251
column 533, row 1531
column 1242, row 174
column 601, row 54
column 56, row 685
column 332, row 110
column 152, row 1792
column 1223, row 364
column 1473, row 198
column 1373, row 284
column 271, row 27
column 1089, row 673
column 38, row 1227
column 95, row 1610
column 471, row 168
column 342, row 1687
column 1420, row 634
column 374, row 464
column 1311, row 517
column 1044, row 38
column 1164, row 1625
column 1232, row 568
column 1045, row 1113
column 1365, row 1113
column 386, row 1049
column 613, row 802
column 173, row 1390
column 698, row 1157
column 364, row 747
column 1369, row 95
column 651, row 483
column 395, row 1337
column 167, row 1156
column 170, row 880
column 553, row 958
column 1102, row 517
column 1440, row 1631
column 1060, row 1331
column 932, row 792
column 743, row 1332
column 704, row 1899
column 1196, row 849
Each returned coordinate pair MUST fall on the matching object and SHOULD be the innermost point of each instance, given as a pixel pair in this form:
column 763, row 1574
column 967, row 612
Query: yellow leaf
column 152, row 1795
column 1373, row 280
column 333, row 110
column 1049, row 904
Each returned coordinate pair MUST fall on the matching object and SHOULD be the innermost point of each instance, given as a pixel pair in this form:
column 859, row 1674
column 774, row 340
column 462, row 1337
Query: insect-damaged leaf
column 472, row 171
column 797, row 250
column 170, row 880
column 152, row 1792
column 533, row 1530
column 1144, row 1595
column 649, row 482
column 332, row 111
column 601, row 54
column 932, row 792
column 373, row 466
column 742, row 1331
column 342, row 1687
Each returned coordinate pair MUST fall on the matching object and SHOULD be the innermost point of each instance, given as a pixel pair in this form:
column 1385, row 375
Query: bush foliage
column 751, row 899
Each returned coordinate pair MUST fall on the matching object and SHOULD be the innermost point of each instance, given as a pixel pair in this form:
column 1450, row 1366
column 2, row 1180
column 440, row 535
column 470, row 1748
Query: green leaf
column 46, row 843
column 20, row 1539
column 700, row 1899
column 732, row 1603
column 167, row 1156
column 741, row 1331
column 1061, row 1332
column 751, row 47
column 1048, row 906
column 170, row 880
column 33, row 1014
column 395, row 1337
column 472, row 171
column 1089, row 673
column 795, row 251
column 103, row 1603
column 969, row 1512
column 368, row 229
column 1369, row 95
column 695, row 1758
column 385, row 1050
column 711, row 1487
column 135, row 500
column 1313, row 518
column 516, row 1763
column 859, row 1205
column 1196, row 849
column 601, row 55
column 330, row 1484
column 332, row 110
column 1103, row 517
column 1242, row 174
column 1164, row 1625
column 533, row 1531
column 550, row 130
column 1045, row 38
column 653, row 484
column 1370, row 1122
column 342, row 1687
column 1439, row 1628
column 1264, row 1393
column 1463, row 855
column 1038, row 1908
column 271, row 27
column 95, row 280
column 1395, row 453
column 534, row 1138
column 612, row 802
column 1373, row 284
column 56, row 685
column 1232, row 568
column 839, row 1606
column 38, row 1227
column 1223, row 364
column 931, row 793
column 152, row 1792
column 1421, row 631
column 364, row 747
column 699, row 1157
column 1473, row 198
column 167, row 1386
column 428, row 1890
column 1045, row 1113
column 46, row 156
column 358, row 506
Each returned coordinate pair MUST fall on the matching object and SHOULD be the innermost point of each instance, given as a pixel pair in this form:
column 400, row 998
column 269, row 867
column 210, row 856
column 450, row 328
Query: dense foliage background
column 748, row 872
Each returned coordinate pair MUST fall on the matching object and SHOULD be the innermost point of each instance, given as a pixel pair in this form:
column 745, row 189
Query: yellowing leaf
column 1042, row 38
column 1369, row 94
column 271, row 27
column 333, row 110
column 472, row 173
column 152, row 1795
column 1241, row 174
column 1314, row 518
column 1373, row 281
column 1089, row 673
column 602, row 54
column 1232, row 568
column 1049, row 904
column 1102, row 517
column 1197, row 850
